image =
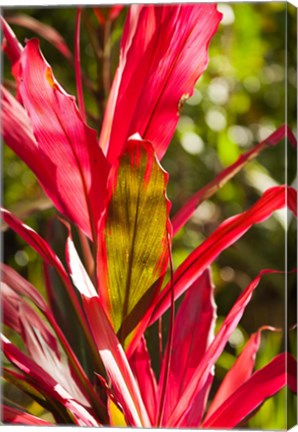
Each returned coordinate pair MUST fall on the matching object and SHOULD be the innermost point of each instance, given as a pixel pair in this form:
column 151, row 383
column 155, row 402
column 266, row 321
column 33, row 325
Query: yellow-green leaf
column 133, row 237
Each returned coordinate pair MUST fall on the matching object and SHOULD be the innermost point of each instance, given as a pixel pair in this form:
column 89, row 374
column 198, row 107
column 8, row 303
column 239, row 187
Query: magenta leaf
column 109, row 347
column 172, row 39
column 15, row 416
column 50, row 258
column 46, row 383
column 77, row 170
column 239, row 373
column 193, row 332
column 11, row 46
column 22, row 288
column 16, row 310
column 140, row 364
column 262, row 384
column 224, row 236
column 212, row 353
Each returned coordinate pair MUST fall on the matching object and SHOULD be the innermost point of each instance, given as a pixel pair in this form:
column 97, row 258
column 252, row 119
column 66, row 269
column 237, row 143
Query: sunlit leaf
column 111, row 352
column 133, row 240
column 262, row 384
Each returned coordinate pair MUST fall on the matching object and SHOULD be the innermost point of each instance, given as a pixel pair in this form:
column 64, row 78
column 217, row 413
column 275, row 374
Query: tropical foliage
column 84, row 348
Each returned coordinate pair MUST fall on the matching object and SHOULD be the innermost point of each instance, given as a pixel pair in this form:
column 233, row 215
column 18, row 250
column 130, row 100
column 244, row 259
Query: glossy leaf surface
column 76, row 174
column 240, row 372
column 140, row 363
column 262, row 384
column 213, row 352
column 44, row 382
column 193, row 332
column 224, row 236
column 163, row 53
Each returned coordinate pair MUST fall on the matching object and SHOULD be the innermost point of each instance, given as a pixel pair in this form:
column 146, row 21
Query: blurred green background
column 237, row 103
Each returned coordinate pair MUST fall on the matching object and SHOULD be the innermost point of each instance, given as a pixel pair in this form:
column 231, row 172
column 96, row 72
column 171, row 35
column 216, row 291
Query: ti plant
column 84, row 355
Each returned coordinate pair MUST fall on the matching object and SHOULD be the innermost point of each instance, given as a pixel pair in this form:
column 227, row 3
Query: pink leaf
column 15, row 311
column 11, row 46
column 23, row 288
column 77, row 167
column 141, row 366
column 47, row 254
column 17, row 132
column 239, row 373
column 15, row 416
column 261, row 385
column 163, row 53
column 193, row 332
column 44, row 30
column 110, row 349
column 46, row 383
column 42, row 350
column 292, row 200
column 212, row 353
column 224, row 236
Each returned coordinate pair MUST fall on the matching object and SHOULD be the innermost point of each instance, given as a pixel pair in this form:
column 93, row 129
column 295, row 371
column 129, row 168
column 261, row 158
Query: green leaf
column 133, row 239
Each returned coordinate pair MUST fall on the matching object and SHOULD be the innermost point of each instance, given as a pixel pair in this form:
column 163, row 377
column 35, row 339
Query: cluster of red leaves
column 113, row 189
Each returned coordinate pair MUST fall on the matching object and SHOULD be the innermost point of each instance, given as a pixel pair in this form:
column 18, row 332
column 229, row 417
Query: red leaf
column 224, row 236
column 15, row 416
column 11, row 46
column 22, row 287
column 109, row 347
column 77, row 170
column 170, row 39
column 261, row 385
column 46, row 383
column 46, row 355
column 141, row 366
column 239, row 373
column 193, row 332
column 292, row 200
column 44, row 30
column 47, row 254
column 18, row 134
column 212, row 353
column 16, row 311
